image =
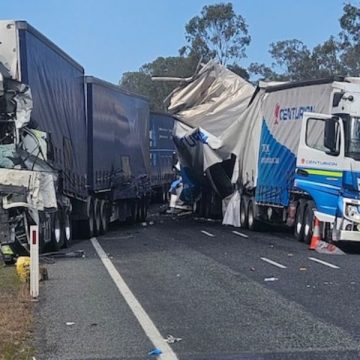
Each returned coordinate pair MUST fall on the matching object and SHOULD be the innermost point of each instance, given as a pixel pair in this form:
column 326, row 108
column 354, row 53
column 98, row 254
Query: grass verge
column 16, row 313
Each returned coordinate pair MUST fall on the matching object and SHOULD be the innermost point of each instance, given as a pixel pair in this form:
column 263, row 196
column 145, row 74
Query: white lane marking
column 273, row 263
column 240, row 234
column 207, row 233
column 143, row 318
column 324, row 263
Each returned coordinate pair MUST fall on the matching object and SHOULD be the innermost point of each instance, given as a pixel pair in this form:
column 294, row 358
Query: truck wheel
column 68, row 230
column 104, row 216
column 57, row 233
column 87, row 227
column 143, row 209
column 97, row 216
column 309, row 221
column 243, row 214
column 299, row 222
column 253, row 224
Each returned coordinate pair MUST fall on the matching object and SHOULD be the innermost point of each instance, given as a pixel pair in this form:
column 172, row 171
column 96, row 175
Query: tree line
column 222, row 34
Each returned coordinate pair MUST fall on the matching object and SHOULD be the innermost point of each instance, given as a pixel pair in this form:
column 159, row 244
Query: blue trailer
column 162, row 150
column 118, row 152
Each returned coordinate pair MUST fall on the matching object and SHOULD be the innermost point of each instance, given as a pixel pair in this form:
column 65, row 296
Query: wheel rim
column 242, row 214
column 103, row 216
column 250, row 216
column 298, row 227
column 57, row 230
column 67, row 228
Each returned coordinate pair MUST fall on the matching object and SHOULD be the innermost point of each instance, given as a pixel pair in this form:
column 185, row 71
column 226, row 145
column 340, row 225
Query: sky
column 110, row 37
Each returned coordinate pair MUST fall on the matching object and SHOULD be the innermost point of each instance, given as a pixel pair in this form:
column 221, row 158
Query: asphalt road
column 200, row 281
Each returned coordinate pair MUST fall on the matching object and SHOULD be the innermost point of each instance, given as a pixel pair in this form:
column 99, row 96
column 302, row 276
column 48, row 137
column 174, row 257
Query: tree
column 140, row 81
column 217, row 33
column 295, row 61
column 350, row 39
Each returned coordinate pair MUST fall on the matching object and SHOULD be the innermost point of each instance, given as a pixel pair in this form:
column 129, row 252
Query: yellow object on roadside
column 23, row 268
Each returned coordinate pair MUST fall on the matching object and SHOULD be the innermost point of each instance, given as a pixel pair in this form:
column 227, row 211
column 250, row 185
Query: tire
column 135, row 213
column 87, row 227
column 104, row 217
column 309, row 221
column 57, row 232
column 143, row 210
column 97, row 217
column 299, row 222
column 253, row 224
column 243, row 214
column 68, row 230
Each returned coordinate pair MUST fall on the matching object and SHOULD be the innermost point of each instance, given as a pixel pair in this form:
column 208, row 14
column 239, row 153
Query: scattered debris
column 93, row 324
column 352, row 282
column 323, row 247
column 151, row 223
column 271, row 245
column 155, row 352
column 177, row 275
column 184, row 213
column 290, row 254
column 144, row 224
column 62, row 254
column 252, row 269
column 271, row 279
column 308, row 286
column 44, row 275
column 70, row 323
column 171, row 339
column 303, row 269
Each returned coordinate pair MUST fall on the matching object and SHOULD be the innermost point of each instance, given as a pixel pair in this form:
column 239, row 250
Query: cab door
column 319, row 165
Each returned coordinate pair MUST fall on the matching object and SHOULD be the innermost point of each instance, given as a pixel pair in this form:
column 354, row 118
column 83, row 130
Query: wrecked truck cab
column 27, row 181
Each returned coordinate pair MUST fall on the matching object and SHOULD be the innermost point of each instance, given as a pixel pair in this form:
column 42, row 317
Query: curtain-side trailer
column 51, row 170
column 296, row 151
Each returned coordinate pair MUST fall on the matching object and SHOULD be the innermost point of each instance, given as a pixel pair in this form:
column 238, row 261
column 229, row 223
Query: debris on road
column 155, row 352
column 151, row 223
column 252, row 269
column 271, row 279
column 323, row 247
column 290, row 254
column 171, row 339
column 303, row 269
column 144, row 224
column 62, row 254
column 23, row 268
column 70, row 323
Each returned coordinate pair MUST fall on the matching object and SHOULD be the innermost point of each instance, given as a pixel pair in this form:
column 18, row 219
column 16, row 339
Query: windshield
column 352, row 137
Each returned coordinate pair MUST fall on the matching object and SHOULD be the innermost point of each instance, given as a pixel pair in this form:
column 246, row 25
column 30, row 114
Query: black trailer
column 162, row 152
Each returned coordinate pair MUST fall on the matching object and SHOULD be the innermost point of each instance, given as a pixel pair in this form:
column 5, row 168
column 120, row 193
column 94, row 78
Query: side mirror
column 330, row 135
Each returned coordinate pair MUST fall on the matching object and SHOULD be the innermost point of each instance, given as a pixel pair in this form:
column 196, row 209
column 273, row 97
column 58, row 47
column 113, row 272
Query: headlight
column 352, row 211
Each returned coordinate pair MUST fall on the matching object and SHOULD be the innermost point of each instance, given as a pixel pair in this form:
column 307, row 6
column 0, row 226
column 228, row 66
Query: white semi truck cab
column 328, row 161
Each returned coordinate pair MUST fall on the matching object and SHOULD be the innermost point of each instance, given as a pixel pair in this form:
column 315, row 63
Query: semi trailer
column 74, row 150
column 162, row 151
column 292, row 153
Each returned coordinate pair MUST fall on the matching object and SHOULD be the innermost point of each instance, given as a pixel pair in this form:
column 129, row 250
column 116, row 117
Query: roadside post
column 34, row 261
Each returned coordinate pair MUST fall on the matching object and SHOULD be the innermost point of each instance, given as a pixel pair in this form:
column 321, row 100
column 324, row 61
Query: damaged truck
column 74, row 150
column 280, row 153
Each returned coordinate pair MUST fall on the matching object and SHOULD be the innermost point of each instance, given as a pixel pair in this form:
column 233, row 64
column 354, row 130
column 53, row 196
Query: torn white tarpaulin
column 231, row 209
column 209, row 108
column 24, row 105
column 40, row 188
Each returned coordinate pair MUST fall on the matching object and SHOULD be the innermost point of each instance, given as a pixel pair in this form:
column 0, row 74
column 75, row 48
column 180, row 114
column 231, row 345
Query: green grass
column 16, row 313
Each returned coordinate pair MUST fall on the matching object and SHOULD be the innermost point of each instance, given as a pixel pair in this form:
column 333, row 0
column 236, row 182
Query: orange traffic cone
column 316, row 235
